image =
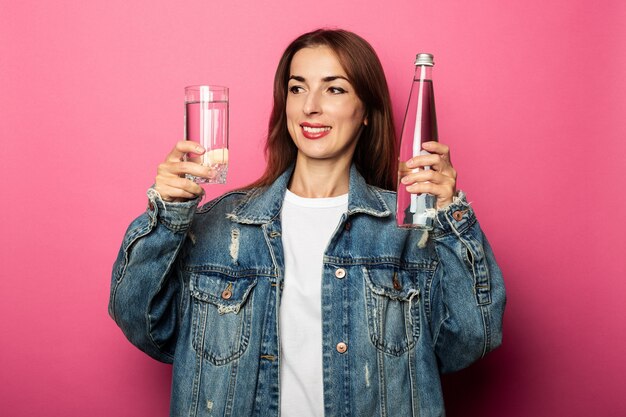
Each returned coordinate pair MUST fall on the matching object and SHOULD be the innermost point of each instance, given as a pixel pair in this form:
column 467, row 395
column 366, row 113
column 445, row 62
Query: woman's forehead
column 316, row 62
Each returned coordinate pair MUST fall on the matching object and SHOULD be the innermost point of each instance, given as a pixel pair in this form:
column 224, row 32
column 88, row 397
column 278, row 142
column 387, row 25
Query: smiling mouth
column 314, row 132
column 310, row 129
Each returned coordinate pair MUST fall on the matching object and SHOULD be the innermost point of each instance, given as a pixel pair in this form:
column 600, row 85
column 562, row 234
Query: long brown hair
column 374, row 156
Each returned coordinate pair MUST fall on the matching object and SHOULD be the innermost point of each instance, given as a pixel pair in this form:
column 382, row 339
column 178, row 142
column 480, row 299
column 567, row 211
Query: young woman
column 299, row 296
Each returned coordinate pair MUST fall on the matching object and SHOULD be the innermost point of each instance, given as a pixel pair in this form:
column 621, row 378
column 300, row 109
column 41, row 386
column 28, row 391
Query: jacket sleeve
column 146, row 288
column 467, row 294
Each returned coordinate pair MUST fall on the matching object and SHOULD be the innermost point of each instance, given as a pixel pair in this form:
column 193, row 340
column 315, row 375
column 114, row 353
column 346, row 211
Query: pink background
column 530, row 97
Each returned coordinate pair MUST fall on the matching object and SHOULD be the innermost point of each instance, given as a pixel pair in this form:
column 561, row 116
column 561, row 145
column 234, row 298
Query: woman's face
column 324, row 114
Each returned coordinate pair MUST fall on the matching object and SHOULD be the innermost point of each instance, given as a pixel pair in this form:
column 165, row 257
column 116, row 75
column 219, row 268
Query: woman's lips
column 314, row 131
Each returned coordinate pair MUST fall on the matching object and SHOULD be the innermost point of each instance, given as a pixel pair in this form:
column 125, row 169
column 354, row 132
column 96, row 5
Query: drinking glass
column 206, row 122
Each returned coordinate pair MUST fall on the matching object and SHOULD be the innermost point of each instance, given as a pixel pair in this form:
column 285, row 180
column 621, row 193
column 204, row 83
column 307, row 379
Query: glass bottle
column 420, row 125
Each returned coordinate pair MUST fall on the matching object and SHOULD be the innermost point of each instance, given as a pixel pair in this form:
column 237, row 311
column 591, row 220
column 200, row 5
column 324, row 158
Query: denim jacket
column 201, row 288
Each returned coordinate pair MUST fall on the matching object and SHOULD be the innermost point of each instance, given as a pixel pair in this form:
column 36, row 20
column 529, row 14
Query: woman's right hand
column 170, row 180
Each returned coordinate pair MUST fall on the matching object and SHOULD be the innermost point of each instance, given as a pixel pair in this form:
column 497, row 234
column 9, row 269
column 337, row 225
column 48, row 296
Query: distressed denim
column 201, row 288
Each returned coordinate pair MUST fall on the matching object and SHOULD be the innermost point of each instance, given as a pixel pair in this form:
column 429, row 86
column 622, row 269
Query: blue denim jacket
column 201, row 288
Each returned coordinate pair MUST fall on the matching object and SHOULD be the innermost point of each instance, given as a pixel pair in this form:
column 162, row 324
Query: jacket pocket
column 222, row 315
column 392, row 298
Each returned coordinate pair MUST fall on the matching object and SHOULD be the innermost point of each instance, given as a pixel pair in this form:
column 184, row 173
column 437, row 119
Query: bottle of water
column 420, row 125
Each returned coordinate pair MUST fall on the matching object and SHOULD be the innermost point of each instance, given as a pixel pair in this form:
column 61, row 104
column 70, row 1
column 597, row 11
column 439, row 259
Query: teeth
column 315, row 129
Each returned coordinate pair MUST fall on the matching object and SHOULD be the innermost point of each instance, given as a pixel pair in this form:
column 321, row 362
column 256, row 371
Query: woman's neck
column 319, row 178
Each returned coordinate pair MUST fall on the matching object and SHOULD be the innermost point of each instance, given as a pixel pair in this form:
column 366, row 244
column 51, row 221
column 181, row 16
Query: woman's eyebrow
column 325, row 79
column 334, row 77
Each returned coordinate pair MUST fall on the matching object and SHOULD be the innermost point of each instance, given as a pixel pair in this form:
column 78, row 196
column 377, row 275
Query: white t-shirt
column 307, row 226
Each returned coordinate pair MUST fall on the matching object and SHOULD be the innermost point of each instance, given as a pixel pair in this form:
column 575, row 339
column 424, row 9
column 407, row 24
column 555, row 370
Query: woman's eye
column 336, row 90
column 295, row 89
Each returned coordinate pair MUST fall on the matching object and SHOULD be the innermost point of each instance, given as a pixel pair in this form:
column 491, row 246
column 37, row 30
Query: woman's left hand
column 439, row 180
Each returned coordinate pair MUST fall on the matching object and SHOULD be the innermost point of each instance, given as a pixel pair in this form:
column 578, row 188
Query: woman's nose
column 312, row 104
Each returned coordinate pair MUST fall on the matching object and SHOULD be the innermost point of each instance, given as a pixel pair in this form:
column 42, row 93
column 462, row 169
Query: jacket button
column 458, row 215
column 226, row 294
column 396, row 283
column 342, row 347
column 340, row 273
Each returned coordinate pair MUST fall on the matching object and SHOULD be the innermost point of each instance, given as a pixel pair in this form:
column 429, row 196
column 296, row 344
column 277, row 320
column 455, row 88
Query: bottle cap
column 424, row 59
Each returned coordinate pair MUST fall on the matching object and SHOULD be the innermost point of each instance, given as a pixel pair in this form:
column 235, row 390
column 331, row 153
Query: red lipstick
column 314, row 130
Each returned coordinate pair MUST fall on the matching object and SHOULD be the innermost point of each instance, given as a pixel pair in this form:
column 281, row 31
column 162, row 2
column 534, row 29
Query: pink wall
column 530, row 97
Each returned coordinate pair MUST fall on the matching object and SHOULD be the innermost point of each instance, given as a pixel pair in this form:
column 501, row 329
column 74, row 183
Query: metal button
column 274, row 234
column 342, row 347
column 227, row 293
column 458, row 215
column 340, row 273
column 396, row 284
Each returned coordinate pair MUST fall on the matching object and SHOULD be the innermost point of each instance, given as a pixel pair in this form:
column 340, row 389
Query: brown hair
column 374, row 156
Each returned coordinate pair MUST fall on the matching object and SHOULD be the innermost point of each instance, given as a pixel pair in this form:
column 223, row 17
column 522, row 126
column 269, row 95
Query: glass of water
column 206, row 122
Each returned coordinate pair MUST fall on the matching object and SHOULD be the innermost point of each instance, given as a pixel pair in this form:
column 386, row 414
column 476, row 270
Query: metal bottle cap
column 424, row 59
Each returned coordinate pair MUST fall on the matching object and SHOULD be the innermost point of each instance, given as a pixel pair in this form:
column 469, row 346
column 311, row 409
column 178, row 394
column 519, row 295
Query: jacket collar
column 263, row 205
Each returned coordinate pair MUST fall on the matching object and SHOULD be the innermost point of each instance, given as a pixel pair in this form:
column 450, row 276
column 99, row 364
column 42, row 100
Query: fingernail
column 199, row 149
column 404, row 180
